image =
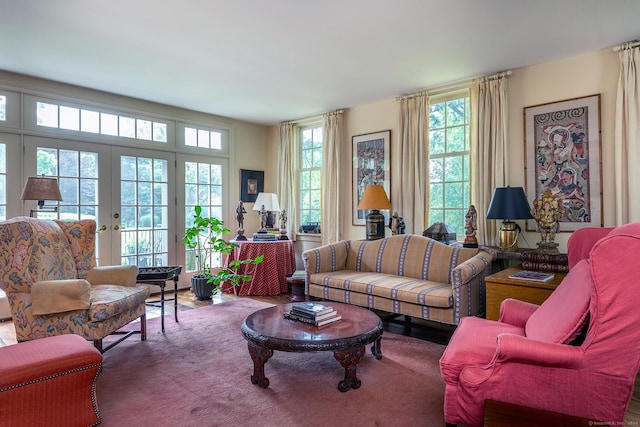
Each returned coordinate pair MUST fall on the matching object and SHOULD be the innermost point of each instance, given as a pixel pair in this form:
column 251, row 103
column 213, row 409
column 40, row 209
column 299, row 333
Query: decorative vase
column 201, row 287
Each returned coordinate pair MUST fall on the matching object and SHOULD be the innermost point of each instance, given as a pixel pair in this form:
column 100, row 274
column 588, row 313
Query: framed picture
column 251, row 183
column 563, row 154
column 371, row 165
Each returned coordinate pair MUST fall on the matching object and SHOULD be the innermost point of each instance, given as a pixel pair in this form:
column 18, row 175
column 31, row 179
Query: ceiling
column 267, row 61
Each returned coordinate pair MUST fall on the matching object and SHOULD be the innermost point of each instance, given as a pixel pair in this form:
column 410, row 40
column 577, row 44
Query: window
column 202, row 138
column 83, row 120
column 203, row 187
column 309, row 175
column 449, row 162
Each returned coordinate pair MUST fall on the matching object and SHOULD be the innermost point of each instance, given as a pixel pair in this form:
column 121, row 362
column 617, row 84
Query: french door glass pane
column 144, row 211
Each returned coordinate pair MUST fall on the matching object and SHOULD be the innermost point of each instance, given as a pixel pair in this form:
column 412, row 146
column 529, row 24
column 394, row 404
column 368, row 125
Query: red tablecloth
column 270, row 276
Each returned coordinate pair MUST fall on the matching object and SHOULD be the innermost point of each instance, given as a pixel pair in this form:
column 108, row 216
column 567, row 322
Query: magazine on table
column 536, row 276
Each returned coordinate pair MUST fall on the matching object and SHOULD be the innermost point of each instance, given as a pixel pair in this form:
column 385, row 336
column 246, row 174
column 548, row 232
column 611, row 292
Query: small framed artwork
column 371, row 166
column 563, row 154
column 251, row 183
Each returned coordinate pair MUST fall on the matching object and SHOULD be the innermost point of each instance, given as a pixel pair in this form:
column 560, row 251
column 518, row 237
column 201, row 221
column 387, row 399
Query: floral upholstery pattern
column 33, row 250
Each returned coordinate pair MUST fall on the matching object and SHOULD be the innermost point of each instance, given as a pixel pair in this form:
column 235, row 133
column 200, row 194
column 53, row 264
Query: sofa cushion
column 561, row 318
column 407, row 289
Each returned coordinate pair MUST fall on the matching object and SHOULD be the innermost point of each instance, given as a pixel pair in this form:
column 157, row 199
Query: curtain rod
column 625, row 46
column 315, row 118
column 457, row 85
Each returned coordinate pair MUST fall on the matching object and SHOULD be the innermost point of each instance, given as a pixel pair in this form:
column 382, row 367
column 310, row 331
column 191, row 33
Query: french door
column 129, row 192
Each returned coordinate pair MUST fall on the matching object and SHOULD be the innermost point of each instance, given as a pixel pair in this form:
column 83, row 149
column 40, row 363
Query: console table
column 270, row 276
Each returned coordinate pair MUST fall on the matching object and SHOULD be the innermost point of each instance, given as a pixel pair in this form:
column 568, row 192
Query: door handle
column 102, row 228
column 117, row 227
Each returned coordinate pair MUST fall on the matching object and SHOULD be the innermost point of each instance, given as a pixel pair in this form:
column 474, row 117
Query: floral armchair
column 48, row 271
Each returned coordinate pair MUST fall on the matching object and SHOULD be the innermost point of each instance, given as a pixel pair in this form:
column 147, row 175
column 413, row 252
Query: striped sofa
column 404, row 274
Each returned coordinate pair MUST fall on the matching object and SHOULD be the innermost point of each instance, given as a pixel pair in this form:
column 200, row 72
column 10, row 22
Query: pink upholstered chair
column 578, row 353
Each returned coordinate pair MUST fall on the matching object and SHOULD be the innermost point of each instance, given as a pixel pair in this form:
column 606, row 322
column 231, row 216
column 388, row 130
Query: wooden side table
column 500, row 287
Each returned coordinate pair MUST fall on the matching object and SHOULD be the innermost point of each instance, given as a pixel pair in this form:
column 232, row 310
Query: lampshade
column 509, row 203
column 41, row 188
column 374, row 197
column 268, row 200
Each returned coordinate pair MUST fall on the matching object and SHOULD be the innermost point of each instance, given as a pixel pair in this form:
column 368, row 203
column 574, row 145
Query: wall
column 583, row 75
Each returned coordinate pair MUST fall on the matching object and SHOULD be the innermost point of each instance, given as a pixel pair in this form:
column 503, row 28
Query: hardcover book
column 536, row 276
column 543, row 266
column 308, row 321
column 316, row 317
column 312, row 308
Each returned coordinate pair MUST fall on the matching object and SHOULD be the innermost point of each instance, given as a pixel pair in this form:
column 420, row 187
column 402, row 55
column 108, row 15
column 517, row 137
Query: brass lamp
column 507, row 204
column 41, row 188
column 374, row 198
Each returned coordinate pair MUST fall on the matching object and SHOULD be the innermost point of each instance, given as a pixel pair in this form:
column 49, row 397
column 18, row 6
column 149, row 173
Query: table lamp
column 374, row 199
column 507, row 204
column 41, row 188
column 268, row 202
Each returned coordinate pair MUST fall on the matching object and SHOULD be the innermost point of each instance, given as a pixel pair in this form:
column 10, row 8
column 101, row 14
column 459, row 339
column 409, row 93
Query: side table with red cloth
column 270, row 276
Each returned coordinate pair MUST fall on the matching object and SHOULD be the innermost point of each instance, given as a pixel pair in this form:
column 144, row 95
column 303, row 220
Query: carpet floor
column 198, row 374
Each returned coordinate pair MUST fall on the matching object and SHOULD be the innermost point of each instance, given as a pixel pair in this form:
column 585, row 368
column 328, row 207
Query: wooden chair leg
column 98, row 344
column 143, row 327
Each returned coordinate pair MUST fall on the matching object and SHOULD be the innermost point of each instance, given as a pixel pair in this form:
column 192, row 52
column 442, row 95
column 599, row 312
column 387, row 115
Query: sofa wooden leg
column 143, row 327
column 98, row 344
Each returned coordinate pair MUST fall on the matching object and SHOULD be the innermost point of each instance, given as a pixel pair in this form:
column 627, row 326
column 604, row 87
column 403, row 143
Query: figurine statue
column 240, row 211
column 393, row 224
column 470, row 227
column 263, row 220
column 547, row 212
column 401, row 225
column 283, row 225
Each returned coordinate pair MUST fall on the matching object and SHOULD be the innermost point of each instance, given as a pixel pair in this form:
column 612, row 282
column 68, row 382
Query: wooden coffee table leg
column 259, row 355
column 376, row 348
column 349, row 359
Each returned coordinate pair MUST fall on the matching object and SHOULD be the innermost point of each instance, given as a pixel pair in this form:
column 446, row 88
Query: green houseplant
column 205, row 237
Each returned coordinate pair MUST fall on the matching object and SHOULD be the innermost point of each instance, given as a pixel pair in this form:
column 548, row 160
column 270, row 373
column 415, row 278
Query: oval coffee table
column 267, row 330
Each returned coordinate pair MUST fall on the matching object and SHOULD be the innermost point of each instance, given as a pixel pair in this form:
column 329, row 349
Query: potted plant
column 205, row 236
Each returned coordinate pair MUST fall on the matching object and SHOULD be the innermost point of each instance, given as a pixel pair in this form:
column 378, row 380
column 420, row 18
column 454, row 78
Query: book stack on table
column 558, row 263
column 313, row 313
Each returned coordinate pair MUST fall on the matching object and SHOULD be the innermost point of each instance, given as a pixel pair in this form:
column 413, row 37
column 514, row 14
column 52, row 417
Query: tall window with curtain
column 310, row 161
column 449, row 161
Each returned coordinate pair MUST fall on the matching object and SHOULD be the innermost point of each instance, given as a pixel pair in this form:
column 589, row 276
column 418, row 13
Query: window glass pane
column 69, row 163
column 216, row 140
column 436, row 116
column 128, row 168
column 143, row 130
column 455, row 139
column 160, row 132
column 453, row 168
column 127, row 127
column 203, row 138
column 455, row 112
column 89, row 121
column 436, row 197
column 108, row 124
column 436, row 142
column 144, row 169
column 3, row 158
column 190, row 137
column 3, row 107
column 436, row 170
column 47, row 161
column 69, row 118
column 47, row 114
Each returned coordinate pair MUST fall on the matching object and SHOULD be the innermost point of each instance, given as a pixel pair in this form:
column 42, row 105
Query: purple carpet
column 198, row 374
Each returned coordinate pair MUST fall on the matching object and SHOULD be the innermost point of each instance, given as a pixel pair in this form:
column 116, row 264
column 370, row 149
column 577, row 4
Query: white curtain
column 287, row 184
column 410, row 191
column 488, row 148
column 332, row 211
column 627, row 138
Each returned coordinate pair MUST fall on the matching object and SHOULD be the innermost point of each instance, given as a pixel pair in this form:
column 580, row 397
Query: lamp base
column 508, row 236
column 375, row 225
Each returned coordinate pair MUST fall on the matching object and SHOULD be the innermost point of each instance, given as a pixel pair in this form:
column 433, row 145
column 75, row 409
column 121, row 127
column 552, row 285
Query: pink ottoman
column 49, row 381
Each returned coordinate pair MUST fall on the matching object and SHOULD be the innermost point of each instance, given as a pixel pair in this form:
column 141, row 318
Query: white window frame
column 315, row 126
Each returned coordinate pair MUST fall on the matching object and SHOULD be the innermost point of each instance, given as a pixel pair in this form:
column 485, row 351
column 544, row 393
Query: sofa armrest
column 518, row 349
column 332, row 257
column 478, row 264
column 123, row 275
column 59, row 296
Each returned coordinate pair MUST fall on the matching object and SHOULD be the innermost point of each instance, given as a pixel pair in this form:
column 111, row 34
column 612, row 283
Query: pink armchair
column 578, row 353
column 48, row 271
